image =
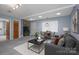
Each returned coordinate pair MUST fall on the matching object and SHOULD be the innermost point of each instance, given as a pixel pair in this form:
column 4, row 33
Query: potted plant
column 36, row 35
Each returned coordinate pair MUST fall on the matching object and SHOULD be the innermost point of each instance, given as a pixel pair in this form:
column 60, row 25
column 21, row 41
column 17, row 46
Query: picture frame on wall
column 75, row 22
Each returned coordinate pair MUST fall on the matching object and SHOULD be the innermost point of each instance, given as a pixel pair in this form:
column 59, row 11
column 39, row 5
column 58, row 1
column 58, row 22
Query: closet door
column 16, row 29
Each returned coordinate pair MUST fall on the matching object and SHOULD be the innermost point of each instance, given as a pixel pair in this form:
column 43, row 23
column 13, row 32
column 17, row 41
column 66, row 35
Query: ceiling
column 32, row 11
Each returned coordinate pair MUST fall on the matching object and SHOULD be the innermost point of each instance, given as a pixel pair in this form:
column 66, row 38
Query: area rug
column 22, row 49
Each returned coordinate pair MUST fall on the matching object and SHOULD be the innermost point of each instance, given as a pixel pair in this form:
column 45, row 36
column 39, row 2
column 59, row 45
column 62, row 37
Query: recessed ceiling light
column 31, row 19
column 40, row 16
column 58, row 13
column 13, row 8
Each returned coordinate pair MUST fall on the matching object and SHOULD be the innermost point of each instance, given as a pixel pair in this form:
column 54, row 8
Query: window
column 50, row 26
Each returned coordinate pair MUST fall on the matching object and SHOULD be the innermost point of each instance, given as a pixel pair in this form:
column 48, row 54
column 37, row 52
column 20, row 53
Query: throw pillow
column 61, row 42
column 56, row 40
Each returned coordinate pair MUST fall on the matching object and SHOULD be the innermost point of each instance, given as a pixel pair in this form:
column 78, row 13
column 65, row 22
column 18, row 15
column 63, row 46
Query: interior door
column 16, row 29
column 7, row 30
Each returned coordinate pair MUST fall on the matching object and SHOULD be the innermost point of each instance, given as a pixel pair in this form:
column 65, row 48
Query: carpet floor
column 6, row 47
column 16, row 47
column 25, row 51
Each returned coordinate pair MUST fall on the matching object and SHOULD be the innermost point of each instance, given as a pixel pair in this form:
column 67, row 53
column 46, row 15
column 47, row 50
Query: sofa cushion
column 70, row 41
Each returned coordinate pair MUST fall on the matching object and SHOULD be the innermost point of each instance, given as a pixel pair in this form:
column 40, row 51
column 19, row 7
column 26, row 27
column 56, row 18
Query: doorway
column 16, row 29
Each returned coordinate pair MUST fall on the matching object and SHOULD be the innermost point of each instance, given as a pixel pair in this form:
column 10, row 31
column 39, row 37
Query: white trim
column 11, row 29
column 19, row 28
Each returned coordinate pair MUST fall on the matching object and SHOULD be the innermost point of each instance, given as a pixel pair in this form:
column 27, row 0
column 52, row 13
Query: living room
column 46, row 29
column 39, row 29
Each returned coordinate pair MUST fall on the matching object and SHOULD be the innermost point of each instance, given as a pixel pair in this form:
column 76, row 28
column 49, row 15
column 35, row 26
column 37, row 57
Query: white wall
column 33, row 28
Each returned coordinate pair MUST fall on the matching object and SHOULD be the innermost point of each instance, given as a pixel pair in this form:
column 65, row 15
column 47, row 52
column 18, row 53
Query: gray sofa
column 52, row 49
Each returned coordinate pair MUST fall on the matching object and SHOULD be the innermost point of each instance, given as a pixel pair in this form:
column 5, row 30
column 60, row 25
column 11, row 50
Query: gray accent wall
column 72, row 14
column 76, row 35
column 63, row 21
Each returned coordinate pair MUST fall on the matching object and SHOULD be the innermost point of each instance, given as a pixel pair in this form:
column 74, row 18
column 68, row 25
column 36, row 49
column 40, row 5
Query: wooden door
column 16, row 29
column 7, row 30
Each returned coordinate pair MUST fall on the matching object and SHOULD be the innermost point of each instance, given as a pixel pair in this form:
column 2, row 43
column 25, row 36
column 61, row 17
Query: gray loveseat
column 52, row 49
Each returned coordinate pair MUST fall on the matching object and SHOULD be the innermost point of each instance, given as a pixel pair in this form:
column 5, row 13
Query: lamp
column 66, row 29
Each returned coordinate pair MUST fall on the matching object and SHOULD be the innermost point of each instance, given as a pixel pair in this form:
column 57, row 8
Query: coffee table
column 36, row 45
